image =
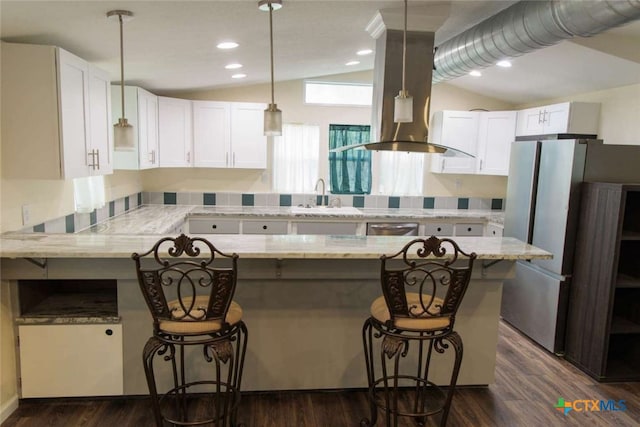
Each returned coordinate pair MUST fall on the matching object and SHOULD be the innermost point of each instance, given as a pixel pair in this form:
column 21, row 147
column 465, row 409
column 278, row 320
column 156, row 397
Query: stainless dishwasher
column 392, row 229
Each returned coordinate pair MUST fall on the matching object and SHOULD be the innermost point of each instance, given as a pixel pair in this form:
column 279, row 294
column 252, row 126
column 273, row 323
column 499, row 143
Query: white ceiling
column 170, row 45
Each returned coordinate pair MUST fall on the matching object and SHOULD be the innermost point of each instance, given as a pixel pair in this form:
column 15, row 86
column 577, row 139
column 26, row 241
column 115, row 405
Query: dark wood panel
column 593, row 284
column 529, row 381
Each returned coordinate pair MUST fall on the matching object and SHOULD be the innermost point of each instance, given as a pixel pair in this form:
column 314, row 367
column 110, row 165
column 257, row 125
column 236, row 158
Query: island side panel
column 305, row 324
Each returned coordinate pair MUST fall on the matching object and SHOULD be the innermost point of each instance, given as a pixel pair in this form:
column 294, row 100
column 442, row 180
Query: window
column 349, row 170
column 401, row 174
column 338, row 93
column 296, row 158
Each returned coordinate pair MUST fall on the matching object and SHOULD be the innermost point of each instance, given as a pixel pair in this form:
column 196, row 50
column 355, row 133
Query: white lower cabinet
column 309, row 227
column 494, row 230
column 265, row 227
column 71, row 360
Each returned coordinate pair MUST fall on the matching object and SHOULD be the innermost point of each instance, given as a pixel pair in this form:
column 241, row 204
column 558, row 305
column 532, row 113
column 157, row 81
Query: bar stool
column 188, row 286
column 422, row 288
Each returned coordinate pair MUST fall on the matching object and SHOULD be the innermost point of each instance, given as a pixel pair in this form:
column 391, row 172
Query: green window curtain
column 350, row 170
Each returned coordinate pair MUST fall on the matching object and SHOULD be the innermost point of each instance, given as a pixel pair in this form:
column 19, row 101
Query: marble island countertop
column 161, row 219
column 43, row 245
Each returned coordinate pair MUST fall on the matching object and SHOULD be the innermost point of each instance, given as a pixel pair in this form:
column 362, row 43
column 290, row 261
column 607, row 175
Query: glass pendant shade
column 403, row 108
column 272, row 121
column 123, row 136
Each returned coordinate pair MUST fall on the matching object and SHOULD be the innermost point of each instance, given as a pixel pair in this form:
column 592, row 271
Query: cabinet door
column 148, row 129
column 460, row 131
column 71, row 360
column 497, row 132
column 73, row 87
column 248, row 143
column 211, row 134
column 174, row 132
column 530, row 122
column 101, row 129
column 555, row 118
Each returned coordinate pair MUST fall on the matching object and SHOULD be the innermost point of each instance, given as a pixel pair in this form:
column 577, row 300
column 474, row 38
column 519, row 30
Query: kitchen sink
column 325, row 210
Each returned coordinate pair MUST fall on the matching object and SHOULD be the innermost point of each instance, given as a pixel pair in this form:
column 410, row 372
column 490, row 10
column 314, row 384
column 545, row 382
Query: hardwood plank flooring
column 529, row 382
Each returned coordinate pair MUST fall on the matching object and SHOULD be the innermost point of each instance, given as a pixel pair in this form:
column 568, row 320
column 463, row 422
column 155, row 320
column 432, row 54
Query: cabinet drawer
column 438, row 229
column 52, row 356
column 494, row 230
column 326, row 227
column 264, row 227
column 466, row 229
column 214, row 226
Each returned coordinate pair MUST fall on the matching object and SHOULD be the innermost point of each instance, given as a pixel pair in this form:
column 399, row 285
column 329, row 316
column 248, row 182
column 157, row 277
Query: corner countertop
column 161, row 219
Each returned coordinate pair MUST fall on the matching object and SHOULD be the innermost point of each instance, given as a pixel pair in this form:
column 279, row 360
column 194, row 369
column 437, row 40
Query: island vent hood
column 518, row 29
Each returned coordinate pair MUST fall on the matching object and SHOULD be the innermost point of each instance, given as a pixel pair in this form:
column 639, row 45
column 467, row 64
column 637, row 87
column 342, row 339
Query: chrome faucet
column 318, row 182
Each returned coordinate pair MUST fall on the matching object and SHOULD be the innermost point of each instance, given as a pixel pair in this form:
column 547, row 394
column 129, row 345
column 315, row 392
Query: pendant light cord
column 121, row 65
column 404, row 47
column 271, row 48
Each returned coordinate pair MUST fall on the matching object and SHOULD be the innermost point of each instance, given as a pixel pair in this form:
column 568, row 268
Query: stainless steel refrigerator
column 542, row 207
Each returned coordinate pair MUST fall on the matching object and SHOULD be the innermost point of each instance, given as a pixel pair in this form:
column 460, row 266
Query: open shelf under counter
column 627, row 281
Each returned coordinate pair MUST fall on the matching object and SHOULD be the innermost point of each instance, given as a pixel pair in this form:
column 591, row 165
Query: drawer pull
column 469, row 229
column 214, row 226
column 108, row 332
column 439, row 228
column 264, row 227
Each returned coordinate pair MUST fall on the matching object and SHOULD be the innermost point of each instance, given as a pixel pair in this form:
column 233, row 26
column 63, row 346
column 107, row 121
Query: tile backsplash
column 79, row 221
column 357, row 201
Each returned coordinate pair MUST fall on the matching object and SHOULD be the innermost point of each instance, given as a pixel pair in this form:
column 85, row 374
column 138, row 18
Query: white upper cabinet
column 487, row 135
column 248, row 143
column 229, row 135
column 175, row 132
column 497, row 132
column 566, row 117
column 141, row 110
column 459, row 130
column 211, row 134
column 56, row 114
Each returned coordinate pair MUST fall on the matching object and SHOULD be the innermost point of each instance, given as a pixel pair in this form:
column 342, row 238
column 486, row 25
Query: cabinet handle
column 264, row 227
column 214, row 226
column 108, row 332
column 468, row 228
column 154, row 156
column 540, row 120
column 480, row 164
column 188, row 156
column 92, row 154
column 439, row 229
column 226, row 159
column 234, row 159
column 544, row 116
column 98, row 157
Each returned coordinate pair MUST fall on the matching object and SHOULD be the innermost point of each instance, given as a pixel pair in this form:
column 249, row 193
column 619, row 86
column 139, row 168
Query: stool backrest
column 435, row 269
column 181, row 269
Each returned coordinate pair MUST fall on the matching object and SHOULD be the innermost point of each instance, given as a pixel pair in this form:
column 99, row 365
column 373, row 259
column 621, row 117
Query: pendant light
column 403, row 108
column 123, row 133
column 272, row 115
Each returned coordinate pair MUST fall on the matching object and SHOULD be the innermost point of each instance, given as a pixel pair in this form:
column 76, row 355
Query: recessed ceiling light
column 233, row 66
column 352, row 63
column 227, row 45
column 504, row 63
column 364, row 52
column 475, row 73
column 239, row 76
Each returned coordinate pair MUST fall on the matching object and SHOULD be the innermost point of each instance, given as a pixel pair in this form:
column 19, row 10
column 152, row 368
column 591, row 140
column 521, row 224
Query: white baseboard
column 8, row 408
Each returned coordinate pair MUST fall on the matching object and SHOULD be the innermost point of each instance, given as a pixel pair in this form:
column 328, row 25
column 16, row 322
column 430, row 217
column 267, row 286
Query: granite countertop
column 94, row 245
column 160, row 219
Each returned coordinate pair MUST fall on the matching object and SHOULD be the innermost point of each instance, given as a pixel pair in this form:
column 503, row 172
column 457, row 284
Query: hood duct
column 521, row 28
column 527, row 26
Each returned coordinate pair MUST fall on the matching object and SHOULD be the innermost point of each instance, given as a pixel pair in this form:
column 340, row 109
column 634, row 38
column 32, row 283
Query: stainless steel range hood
column 387, row 81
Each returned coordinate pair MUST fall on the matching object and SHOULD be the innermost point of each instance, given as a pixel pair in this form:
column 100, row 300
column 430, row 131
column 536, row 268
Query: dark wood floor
column 529, row 382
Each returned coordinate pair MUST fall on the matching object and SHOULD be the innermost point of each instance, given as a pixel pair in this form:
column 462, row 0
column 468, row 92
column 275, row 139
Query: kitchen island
column 304, row 298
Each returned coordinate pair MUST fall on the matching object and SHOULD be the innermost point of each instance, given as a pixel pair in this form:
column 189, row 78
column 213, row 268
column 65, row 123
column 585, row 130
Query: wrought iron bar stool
column 422, row 288
column 188, row 286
